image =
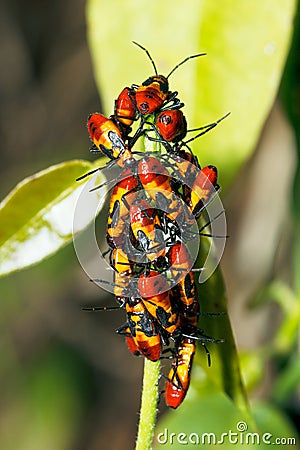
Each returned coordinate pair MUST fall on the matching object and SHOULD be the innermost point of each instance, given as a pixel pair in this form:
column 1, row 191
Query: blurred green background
column 67, row 381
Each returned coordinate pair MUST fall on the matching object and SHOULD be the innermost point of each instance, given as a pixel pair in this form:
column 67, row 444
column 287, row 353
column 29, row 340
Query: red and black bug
column 142, row 332
column 172, row 127
column 123, row 270
column 148, row 319
column 125, row 109
column 154, row 92
column 143, row 329
column 179, row 260
column 198, row 184
column 125, row 113
column 180, row 263
column 106, row 137
column 179, row 376
column 178, row 379
column 155, row 292
column 146, row 227
column 118, row 217
column 205, row 184
column 157, row 182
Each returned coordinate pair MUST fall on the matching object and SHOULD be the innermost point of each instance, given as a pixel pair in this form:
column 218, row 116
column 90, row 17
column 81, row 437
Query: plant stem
column 148, row 405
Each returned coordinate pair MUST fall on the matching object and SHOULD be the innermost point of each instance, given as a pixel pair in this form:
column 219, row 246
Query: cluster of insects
column 154, row 205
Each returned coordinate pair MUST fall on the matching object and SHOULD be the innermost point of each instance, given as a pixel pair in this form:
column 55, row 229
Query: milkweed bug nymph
column 154, row 92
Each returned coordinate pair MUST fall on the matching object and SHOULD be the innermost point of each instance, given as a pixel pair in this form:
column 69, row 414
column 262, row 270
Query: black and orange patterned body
column 125, row 109
column 143, row 329
column 146, row 227
column 151, row 94
column 180, row 374
column 171, row 125
column 156, row 180
column 204, row 185
column 152, row 223
column 155, row 291
column 107, row 138
column 118, row 216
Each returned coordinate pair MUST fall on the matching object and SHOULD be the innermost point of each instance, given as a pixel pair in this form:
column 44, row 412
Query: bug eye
column 165, row 119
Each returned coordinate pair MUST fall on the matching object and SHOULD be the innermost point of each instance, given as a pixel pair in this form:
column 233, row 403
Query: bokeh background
column 67, row 381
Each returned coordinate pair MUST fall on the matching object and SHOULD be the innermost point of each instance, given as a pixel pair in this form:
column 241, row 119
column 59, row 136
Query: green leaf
column 37, row 216
column 246, row 45
column 225, row 370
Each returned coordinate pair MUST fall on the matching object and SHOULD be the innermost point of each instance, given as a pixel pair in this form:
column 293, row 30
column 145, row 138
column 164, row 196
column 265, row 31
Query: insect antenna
column 210, row 125
column 206, row 129
column 207, row 354
column 87, row 174
column 149, row 56
column 100, row 308
column 185, row 60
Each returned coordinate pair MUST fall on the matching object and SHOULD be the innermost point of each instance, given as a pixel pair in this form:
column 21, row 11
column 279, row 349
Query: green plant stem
column 148, row 405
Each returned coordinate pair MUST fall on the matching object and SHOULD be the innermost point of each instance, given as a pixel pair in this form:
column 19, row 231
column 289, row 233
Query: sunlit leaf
column 37, row 216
